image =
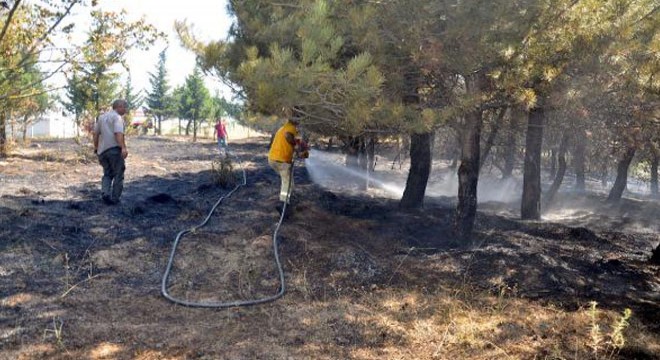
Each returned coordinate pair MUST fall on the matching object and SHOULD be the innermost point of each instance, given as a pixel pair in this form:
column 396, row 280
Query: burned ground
column 365, row 280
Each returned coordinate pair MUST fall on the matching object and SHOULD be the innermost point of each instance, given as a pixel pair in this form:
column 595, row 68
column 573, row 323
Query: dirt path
column 79, row 279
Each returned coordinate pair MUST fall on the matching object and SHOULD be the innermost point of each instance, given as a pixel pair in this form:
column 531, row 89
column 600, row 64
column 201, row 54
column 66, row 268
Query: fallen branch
column 76, row 285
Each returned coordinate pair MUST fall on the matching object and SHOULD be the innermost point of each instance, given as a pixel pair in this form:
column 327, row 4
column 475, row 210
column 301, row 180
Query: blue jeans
column 222, row 143
column 113, row 164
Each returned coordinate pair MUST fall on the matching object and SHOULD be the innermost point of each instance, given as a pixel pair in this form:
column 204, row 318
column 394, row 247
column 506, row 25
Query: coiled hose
column 181, row 234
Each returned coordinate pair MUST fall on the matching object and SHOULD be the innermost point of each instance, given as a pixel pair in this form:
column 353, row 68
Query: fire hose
column 303, row 153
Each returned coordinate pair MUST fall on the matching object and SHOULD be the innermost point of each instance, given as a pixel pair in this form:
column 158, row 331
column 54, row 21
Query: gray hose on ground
column 180, row 235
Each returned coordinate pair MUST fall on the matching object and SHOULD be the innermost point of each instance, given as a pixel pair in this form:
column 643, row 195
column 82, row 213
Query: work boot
column 107, row 200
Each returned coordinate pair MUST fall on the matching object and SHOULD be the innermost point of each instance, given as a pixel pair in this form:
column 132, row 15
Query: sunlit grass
column 474, row 325
column 105, row 351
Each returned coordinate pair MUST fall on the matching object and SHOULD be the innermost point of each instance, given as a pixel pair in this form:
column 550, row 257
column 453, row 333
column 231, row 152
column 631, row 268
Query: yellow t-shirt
column 280, row 149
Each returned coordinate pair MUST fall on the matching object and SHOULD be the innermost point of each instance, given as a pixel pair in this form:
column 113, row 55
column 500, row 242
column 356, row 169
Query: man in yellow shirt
column 280, row 156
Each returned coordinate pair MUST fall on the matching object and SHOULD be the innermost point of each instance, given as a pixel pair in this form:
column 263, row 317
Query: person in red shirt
column 221, row 132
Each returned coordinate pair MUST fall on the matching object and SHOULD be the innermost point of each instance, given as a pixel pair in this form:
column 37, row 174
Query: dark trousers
column 113, row 164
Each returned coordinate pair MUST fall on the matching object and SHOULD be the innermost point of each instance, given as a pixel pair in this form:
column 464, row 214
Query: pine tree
column 96, row 82
column 195, row 102
column 158, row 97
column 76, row 99
column 451, row 63
column 134, row 99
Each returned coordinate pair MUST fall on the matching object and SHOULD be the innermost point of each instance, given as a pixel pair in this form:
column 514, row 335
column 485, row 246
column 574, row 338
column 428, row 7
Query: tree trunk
column 363, row 158
column 579, row 161
column 371, row 153
column 420, row 150
column 188, row 127
column 553, row 163
column 622, row 174
column 603, row 174
column 530, row 208
column 371, row 158
column 561, row 170
column 510, row 147
column 363, row 164
column 468, row 170
column 420, row 168
column 79, row 125
column 455, row 149
column 490, row 140
column 655, row 158
column 3, row 135
column 26, row 125
column 194, row 130
column 398, row 158
column 468, row 176
column 351, row 149
column 160, row 125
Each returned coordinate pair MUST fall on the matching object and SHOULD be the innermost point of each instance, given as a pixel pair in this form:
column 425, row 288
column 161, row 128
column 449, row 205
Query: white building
column 49, row 125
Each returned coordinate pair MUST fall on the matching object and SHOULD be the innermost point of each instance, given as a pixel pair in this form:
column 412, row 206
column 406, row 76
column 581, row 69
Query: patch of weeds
column 607, row 344
column 222, row 171
column 56, row 332
column 85, row 155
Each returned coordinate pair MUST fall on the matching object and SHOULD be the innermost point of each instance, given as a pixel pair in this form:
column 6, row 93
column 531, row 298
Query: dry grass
column 410, row 324
column 100, row 299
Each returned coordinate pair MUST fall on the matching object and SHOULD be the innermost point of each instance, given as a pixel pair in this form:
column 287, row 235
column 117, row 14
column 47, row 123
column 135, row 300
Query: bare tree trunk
column 603, row 174
column 455, row 154
column 468, row 170
column 510, row 147
column 420, row 168
column 530, row 207
column 363, row 158
column 580, row 160
column 420, row 151
column 363, row 164
column 371, row 153
column 188, row 127
column 655, row 158
column 371, row 158
column 561, row 170
column 351, row 149
column 468, row 177
column 491, row 137
column 194, row 130
column 553, row 163
column 3, row 135
column 622, row 174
